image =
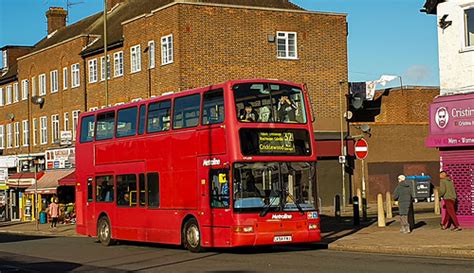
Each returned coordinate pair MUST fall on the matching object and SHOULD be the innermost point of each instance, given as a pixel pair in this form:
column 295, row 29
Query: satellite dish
column 365, row 128
column 37, row 100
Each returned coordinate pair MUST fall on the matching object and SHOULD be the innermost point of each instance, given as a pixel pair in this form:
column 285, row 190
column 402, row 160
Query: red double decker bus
column 227, row 165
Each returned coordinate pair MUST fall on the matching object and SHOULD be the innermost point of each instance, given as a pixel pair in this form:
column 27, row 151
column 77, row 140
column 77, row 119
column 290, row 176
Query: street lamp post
column 343, row 150
column 36, row 196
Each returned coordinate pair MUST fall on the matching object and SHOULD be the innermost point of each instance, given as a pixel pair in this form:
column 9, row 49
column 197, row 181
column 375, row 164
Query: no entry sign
column 361, row 149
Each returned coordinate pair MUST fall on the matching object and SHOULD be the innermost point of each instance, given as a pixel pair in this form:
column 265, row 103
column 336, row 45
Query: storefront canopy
column 23, row 180
column 68, row 180
column 49, row 182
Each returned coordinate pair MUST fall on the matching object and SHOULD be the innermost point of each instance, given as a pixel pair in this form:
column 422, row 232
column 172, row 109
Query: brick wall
column 212, row 44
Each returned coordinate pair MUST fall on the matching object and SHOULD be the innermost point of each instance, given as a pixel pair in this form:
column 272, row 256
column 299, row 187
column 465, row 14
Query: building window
column 2, row 136
column 151, row 54
column 4, row 59
column 33, row 86
column 65, row 78
column 286, row 45
column 9, row 94
column 9, row 136
column 2, row 97
column 75, row 120
column 54, row 81
column 16, row 93
column 102, row 68
column 135, row 59
column 42, row 84
column 17, row 134
column 54, row 128
column 26, row 132
column 166, row 49
column 43, row 130
column 118, row 64
column 76, row 80
column 66, row 121
column 35, row 131
column 24, row 89
column 93, row 71
column 469, row 26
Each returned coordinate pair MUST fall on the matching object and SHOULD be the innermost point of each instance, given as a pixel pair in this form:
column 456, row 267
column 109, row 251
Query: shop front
column 452, row 132
column 46, row 189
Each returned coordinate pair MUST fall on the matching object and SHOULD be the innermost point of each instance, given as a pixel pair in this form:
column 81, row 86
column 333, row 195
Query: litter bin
column 43, row 218
column 422, row 187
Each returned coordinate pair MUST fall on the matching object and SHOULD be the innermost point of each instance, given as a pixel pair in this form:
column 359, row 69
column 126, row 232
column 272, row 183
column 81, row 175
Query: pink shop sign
column 452, row 121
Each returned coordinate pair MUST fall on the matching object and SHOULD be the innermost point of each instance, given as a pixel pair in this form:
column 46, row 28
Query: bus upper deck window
column 105, row 126
column 213, row 107
column 126, row 122
column 87, row 129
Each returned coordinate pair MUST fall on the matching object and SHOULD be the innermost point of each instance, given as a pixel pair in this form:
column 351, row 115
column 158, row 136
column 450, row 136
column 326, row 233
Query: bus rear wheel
column 104, row 232
column 192, row 236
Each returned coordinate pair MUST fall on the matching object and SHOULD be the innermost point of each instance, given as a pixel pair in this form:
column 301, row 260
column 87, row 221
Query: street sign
column 361, row 149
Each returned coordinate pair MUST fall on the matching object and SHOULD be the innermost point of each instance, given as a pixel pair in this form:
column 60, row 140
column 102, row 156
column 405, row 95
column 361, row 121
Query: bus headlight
column 244, row 229
column 313, row 226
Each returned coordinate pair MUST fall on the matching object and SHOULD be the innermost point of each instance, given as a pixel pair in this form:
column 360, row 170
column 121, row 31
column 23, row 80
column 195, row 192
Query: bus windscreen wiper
column 267, row 207
column 297, row 204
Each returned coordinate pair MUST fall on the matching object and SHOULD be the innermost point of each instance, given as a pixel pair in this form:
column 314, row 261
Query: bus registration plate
column 278, row 239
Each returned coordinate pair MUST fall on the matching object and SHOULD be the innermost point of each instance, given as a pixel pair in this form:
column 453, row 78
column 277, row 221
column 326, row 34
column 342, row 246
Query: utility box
column 422, row 187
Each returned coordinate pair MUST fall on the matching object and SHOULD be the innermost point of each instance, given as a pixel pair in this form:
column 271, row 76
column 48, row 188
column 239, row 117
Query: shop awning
column 49, row 182
column 23, row 180
column 68, row 180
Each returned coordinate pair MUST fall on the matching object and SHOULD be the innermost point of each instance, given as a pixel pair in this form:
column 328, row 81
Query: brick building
column 160, row 46
column 399, row 123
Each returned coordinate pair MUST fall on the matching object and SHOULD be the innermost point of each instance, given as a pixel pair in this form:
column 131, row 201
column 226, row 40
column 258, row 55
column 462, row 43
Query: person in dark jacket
column 404, row 195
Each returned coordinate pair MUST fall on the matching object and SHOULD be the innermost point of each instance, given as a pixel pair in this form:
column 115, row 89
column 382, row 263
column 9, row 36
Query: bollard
column 359, row 196
column 337, row 206
column 355, row 207
column 380, row 212
column 437, row 209
column 388, row 202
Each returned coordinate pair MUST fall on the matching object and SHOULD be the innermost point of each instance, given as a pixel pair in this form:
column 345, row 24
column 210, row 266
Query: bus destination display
column 280, row 142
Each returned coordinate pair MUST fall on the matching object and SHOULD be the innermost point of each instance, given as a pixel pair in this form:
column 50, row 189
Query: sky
column 386, row 37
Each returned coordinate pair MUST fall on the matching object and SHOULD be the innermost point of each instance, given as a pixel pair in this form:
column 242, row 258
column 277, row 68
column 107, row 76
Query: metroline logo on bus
column 361, row 149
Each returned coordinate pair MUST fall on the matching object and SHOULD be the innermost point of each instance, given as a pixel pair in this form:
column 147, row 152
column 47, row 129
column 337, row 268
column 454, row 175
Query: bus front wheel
column 192, row 236
column 104, row 232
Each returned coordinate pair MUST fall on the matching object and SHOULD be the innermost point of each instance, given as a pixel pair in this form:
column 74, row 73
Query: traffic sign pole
column 361, row 151
column 364, row 197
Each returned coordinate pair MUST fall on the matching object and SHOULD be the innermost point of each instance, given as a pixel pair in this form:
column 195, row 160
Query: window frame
column 35, row 131
column 167, row 49
column 89, row 138
column 26, row 132
column 17, row 138
column 25, row 85
column 103, row 69
column 75, row 122
column 55, row 129
column 65, row 78
column 202, row 106
column 173, row 119
column 9, row 136
column 286, row 38
column 92, row 64
column 66, row 121
column 2, row 136
column 464, row 28
column 118, row 63
column 16, row 92
column 117, row 122
column 54, row 84
column 151, row 54
column 42, row 85
column 135, row 59
column 9, row 95
column 43, row 130
column 75, row 71
column 2, row 96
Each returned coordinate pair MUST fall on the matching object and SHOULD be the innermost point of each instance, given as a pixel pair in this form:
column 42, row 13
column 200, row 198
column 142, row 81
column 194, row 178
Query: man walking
column 404, row 195
column 447, row 191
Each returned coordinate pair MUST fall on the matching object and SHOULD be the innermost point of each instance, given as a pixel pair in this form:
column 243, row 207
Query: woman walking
column 404, row 195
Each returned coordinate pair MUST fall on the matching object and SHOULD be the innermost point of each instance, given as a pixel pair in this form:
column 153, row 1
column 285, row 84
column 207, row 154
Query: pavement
column 427, row 239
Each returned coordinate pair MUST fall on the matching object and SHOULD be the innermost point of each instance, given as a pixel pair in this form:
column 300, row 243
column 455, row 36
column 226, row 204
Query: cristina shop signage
column 452, row 121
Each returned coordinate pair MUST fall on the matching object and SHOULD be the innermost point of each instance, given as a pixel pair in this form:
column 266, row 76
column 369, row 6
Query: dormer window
column 4, row 59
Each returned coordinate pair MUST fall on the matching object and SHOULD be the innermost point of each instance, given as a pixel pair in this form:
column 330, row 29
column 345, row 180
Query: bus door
column 220, row 199
column 89, row 212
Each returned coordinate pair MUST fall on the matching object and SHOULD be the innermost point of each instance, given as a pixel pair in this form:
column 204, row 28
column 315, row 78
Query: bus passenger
column 125, row 201
column 249, row 115
column 286, row 109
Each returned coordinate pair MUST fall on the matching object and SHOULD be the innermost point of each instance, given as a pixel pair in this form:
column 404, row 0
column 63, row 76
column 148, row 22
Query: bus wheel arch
column 191, row 236
column 104, row 230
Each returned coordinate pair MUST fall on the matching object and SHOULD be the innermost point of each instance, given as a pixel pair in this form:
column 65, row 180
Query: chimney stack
column 112, row 3
column 56, row 18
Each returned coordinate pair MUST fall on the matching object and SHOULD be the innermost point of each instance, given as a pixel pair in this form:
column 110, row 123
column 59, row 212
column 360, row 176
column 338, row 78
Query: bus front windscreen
column 274, row 186
column 269, row 103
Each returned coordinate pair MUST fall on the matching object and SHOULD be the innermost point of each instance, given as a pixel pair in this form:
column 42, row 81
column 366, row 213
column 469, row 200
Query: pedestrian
column 448, row 193
column 404, row 195
column 54, row 212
